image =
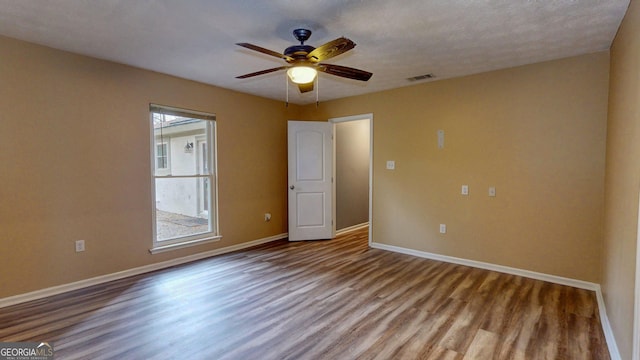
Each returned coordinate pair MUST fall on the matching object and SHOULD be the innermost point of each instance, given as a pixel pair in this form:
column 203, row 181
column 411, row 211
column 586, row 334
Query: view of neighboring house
column 182, row 186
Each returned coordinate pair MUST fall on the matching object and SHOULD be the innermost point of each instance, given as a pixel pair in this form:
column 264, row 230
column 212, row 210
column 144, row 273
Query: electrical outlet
column 391, row 165
column 79, row 245
column 267, row 217
column 443, row 228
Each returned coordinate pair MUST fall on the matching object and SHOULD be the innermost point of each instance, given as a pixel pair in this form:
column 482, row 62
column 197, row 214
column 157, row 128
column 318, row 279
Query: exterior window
column 162, row 159
column 184, row 177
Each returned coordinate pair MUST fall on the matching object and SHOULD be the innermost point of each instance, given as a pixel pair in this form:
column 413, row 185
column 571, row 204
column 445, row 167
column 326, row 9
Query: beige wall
column 536, row 133
column 622, row 179
column 74, row 151
column 352, row 173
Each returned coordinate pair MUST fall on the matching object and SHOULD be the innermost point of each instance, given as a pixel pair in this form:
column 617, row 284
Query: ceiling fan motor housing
column 298, row 52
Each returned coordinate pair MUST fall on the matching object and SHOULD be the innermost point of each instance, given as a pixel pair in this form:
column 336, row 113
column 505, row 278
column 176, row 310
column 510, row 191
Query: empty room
column 320, row 179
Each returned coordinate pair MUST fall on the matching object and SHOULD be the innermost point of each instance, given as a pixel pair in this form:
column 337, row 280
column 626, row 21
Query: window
column 184, row 177
column 162, row 159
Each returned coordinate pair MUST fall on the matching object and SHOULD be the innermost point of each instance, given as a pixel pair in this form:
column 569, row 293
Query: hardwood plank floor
column 333, row 299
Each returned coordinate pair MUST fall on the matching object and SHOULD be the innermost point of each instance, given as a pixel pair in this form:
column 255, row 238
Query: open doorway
column 353, row 172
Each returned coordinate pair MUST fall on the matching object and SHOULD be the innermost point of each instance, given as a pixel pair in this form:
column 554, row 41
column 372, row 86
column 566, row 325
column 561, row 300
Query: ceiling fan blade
column 305, row 87
column 331, row 49
column 345, row 72
column 261, row 72
column 265, row 51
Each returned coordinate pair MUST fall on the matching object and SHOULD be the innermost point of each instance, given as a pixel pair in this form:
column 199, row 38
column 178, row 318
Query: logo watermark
column 26, row 351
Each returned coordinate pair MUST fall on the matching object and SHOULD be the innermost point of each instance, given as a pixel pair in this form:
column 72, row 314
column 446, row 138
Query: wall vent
column 422, row 77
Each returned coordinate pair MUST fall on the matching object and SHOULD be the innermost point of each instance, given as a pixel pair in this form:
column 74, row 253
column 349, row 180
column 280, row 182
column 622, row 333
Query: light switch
column 391, row 165
column 465, row 190
column 492, row 191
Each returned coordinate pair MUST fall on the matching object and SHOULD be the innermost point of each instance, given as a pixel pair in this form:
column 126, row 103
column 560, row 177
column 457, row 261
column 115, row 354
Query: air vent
column 421, row 77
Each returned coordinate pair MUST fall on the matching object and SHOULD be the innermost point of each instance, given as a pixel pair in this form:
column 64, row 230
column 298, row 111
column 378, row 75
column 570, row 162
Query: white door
column 310, row 180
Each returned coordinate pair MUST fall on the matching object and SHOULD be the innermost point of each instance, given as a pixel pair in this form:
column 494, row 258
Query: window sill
column 184, row 244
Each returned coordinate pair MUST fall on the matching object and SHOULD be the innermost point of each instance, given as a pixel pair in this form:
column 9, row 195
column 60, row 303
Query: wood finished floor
column 333, row 299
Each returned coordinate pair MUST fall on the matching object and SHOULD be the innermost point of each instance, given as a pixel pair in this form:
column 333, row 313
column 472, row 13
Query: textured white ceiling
column 396, row 39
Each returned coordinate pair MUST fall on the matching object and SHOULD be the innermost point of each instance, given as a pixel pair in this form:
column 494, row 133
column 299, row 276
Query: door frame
column 369, row 117
column 636, row 308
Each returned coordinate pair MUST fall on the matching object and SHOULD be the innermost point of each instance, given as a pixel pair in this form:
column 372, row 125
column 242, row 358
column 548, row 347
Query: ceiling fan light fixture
column 302, row 74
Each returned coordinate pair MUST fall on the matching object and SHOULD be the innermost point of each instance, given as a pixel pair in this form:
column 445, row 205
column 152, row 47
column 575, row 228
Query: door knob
column 292, row 187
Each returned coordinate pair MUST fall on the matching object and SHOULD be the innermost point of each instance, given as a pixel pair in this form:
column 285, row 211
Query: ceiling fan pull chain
column 317, row 90
column 286, row 80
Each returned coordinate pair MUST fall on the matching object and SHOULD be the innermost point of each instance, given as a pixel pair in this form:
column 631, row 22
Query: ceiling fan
column 304, row 61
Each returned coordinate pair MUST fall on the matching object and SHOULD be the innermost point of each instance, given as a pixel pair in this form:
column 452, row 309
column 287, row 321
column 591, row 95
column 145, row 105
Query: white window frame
column 159, row 246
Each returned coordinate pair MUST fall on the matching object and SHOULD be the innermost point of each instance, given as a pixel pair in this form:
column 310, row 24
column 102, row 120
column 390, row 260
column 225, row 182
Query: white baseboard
column 488, row 266
column 55, row 290
column 606, row 327
column 352, row 228
column 604, row 320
